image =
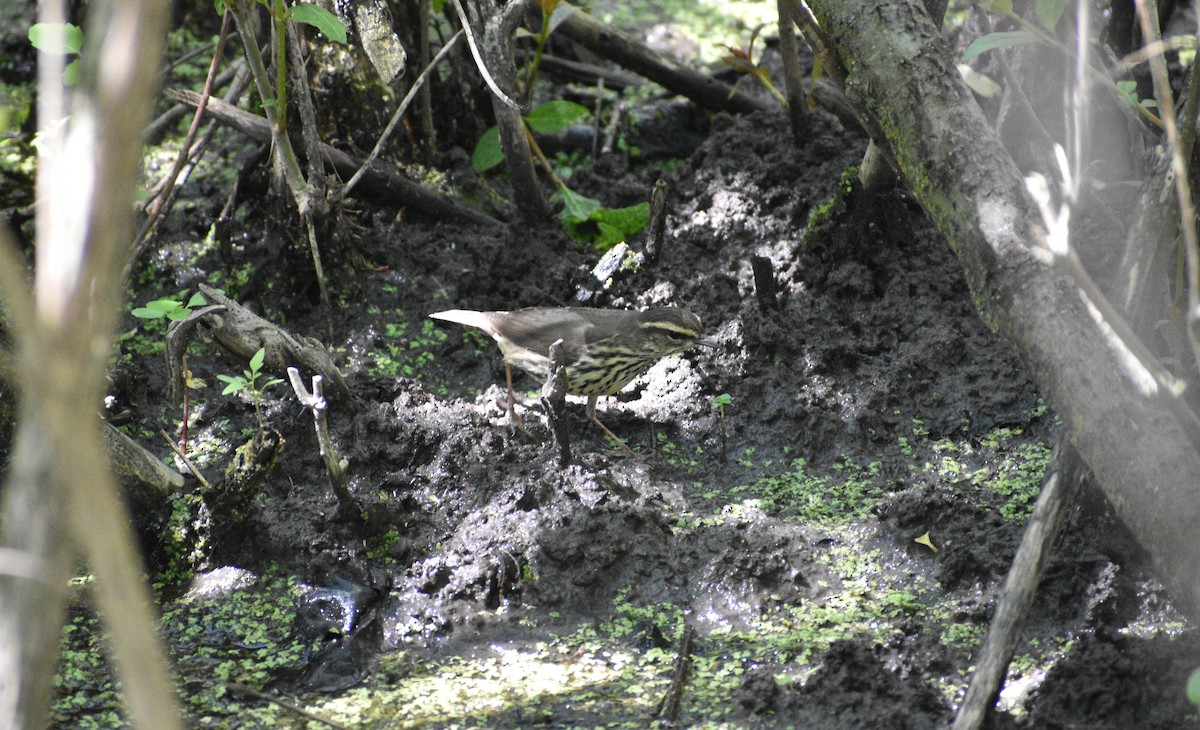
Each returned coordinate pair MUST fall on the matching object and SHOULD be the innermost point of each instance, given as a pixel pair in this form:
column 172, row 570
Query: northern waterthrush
column 602, row 349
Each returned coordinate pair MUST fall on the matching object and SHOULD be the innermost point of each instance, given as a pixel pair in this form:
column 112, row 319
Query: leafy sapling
column 248, row 382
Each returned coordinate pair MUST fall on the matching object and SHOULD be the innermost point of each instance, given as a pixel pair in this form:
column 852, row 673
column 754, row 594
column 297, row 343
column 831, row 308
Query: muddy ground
column 469, row 539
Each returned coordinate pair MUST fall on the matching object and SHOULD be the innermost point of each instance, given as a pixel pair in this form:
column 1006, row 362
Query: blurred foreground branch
column 60, row 500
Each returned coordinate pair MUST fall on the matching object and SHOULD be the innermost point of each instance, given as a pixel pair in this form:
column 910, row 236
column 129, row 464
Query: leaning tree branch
column 902, row 72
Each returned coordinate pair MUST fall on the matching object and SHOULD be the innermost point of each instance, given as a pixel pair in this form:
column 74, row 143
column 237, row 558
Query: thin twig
column 483, row 69
column 1020, row 586
column 244, row 689
column 187, row 462
column 157, row 204
column 672, row 702
column 398, row 114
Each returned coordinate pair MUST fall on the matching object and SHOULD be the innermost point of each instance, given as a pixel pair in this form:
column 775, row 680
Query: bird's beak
column 707, row 342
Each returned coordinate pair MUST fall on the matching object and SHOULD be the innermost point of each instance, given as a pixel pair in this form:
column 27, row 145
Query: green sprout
column 248, row 382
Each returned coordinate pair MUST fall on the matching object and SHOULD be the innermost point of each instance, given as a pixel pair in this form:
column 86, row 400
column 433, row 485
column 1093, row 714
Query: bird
column 602, row 349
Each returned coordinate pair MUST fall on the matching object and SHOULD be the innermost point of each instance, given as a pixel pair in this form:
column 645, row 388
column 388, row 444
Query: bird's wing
column 537, row 329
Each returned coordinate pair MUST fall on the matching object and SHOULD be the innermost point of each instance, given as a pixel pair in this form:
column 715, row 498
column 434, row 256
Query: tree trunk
column 902, row 72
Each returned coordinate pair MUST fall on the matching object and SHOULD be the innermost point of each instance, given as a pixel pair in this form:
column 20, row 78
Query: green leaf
column 257, row 360
column 576, row 208
column 60, row 38
column 1128, row 91
column 147, row 313
column 1049, row 12
column 621, row 222
column 608, row 235
column 72, row 73
column 234, row 383
column 555, row 116
column 322, row 20
column 589, row 222
column 487, row 152
column 1002, row 39
column 197, row 300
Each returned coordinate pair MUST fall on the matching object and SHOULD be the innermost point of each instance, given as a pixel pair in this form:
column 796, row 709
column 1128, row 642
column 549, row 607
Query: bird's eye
column 677, row 335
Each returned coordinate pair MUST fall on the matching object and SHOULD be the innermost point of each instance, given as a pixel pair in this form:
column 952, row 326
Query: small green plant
column 585, row 219
column 175, row 310
column 742, row 61
column 248, row 382
column 172, row 309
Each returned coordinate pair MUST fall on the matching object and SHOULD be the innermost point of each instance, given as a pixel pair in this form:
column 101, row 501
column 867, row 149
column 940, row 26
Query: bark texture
column 902, row 72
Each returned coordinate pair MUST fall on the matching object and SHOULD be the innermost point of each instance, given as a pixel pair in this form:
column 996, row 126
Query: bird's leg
column 512, row 399
column 591, row 414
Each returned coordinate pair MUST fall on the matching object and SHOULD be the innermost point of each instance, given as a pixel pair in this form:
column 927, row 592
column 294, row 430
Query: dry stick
column 595, row 148
column 811, row 30
column 614, row 78
column 157, row 204
column 425, row 107
column 554, row 399
column 657, row 223
column 498, row 27
column 1020, row 587
column 157, row 129
column 614, row 125
column 793, row 77
column 391, row 127
column 182, row 457
column 1013, row 86
column 672, row 701
column 283, row 155
column 59, row 478
column 241, row 80
column 315, row 402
